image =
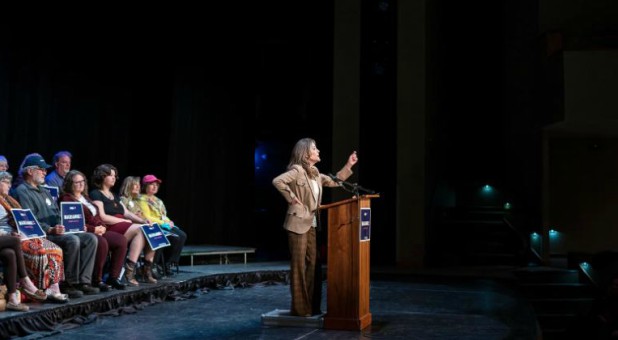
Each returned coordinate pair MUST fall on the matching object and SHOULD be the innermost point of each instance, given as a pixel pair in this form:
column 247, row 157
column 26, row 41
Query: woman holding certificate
column 75, row 189
column 154, row 210
column 42, row 258
column 121, row 220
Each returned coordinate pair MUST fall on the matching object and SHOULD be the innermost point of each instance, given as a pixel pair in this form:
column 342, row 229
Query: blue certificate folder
column 72, row 216
column 365, row 224
column 155, row 236
column 27, row 225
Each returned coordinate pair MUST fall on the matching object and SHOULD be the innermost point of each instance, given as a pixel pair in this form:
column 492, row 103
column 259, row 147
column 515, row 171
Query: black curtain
column 185, row 96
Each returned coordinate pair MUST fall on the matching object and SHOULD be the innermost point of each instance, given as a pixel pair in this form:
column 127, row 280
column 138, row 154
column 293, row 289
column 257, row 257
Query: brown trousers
column 302, row 270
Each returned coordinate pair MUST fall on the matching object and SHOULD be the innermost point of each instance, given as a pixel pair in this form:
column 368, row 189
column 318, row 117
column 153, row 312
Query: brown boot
column 129, row 273
column 147, row 273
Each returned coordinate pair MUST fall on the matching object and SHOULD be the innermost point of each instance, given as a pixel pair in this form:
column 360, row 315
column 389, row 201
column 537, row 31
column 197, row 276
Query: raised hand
column 352, row 159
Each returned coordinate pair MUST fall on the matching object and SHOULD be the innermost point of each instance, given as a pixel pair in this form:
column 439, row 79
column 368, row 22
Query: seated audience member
column 121, row 220
column 129, row 196
column 62, row 164
column 4, row 164
column 17, row 181
column 42, row 258
column 13, row 263
column 75, row 190
column 154, row 210
column 79, row 249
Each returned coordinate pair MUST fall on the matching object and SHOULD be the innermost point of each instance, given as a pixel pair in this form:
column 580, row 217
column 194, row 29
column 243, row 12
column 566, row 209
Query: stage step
column 218, row 250
column 562, row 305
column 558, row 290
column 561, row 298
column 547, row 275
column 556, row 320
column 282, row 317
column 476, row 235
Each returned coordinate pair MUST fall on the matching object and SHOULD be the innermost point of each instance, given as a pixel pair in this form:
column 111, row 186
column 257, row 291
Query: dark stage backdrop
column 188, row 102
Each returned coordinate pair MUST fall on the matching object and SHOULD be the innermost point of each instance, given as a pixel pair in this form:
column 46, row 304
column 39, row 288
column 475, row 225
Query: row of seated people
column 151, row 207
column 68, row 265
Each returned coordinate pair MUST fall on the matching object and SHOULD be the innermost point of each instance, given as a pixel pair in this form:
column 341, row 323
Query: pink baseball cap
column 149, row 179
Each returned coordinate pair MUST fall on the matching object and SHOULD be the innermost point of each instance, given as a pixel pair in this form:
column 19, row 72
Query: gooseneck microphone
column 351, row 187
column 334, row 178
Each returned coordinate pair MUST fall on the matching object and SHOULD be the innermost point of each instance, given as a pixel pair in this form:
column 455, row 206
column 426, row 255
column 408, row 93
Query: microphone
column 351, row 187
column 334, row 178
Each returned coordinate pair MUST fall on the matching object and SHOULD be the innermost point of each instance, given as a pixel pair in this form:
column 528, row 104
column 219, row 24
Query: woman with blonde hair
column 129, row 194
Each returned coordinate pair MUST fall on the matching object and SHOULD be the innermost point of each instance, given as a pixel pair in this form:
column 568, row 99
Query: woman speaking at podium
column 301, row 186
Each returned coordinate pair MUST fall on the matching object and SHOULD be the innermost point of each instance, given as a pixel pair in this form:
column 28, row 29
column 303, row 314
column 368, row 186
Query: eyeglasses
column 80, row 182
column 6, row 181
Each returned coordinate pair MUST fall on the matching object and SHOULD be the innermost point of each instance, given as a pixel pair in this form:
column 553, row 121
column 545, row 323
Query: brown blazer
column 295, row 183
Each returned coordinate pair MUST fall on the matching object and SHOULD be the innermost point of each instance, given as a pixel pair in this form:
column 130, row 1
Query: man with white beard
column 78, row 249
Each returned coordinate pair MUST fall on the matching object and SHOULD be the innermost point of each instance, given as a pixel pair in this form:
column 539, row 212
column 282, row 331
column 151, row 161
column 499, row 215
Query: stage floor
column 239, row 294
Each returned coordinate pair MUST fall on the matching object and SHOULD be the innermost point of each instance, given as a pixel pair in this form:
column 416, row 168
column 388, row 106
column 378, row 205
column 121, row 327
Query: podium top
column 346, row 201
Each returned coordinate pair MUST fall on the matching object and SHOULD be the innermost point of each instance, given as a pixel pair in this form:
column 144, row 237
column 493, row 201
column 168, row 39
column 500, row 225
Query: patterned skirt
column 43, row 260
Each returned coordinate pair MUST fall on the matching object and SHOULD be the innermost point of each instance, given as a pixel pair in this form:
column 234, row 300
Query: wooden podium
column 348, row 264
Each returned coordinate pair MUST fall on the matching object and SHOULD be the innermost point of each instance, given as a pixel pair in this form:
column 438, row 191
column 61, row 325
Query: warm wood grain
column 348, row 266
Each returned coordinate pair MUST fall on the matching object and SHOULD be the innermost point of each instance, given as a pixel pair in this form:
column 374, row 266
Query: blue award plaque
column 365, row 224
column 27, row 225
column 72, row 217
column 155, row 236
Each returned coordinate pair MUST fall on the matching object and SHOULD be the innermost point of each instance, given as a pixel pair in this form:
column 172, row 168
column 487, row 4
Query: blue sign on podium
column 365, row 224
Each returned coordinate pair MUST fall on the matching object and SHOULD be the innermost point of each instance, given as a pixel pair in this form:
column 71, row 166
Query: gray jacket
column 41, row 203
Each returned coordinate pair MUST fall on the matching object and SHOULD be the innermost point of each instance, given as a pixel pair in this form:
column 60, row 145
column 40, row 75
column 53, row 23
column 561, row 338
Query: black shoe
column 88, row 289
column 102, row 286
column 70, row 290
column 57, row 298
column 157, row 272
column 169, row 271
column 114, row 283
